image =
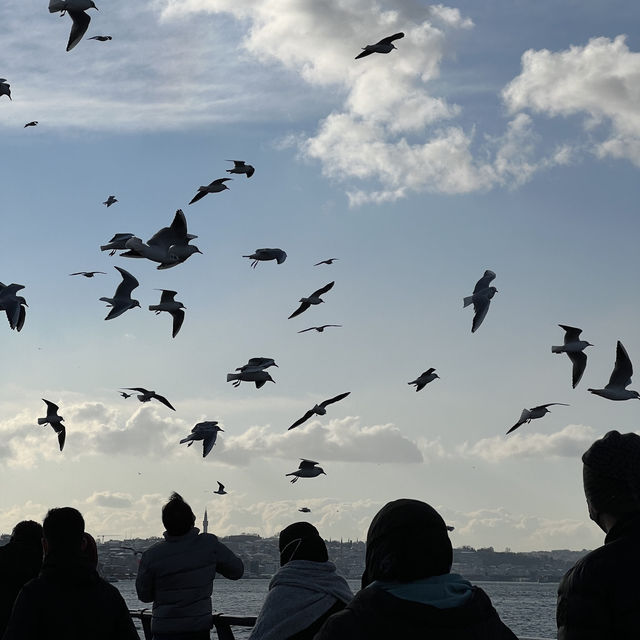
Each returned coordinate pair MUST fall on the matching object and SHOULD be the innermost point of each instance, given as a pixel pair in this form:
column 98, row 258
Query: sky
column 499, row 135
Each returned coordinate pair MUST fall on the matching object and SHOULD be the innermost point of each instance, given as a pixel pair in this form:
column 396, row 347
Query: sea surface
column 528, row 608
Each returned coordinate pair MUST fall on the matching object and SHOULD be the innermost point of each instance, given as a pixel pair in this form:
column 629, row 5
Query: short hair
column 63, row 529
column 28, row 531
column 177, row 516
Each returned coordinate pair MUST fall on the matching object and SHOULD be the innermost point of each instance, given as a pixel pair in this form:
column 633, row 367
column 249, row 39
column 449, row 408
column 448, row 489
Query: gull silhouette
column 314, row 298
column 55, row 421
column 319, row 409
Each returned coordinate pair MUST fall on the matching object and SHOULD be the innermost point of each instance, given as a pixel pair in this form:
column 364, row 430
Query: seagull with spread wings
column 425, row 378
column 109, row 201
column 101, row 38
column 145, row 396
column 207, row 432
column 528, row 415
column 267, row 254
column 321, row 328
column 76, row 10
column 213, row 187
column 327, row 261
column 306, row 469
column 319, row 409
column 239, row 166
column 574, row 348
column 314, row 298
column 620, row 378
column 481, row 298
column 175, row 308
column 382, row 46
column 220, row 491
column 122, row 300
column 55, row 421
column 86, row 274
column 14, row 306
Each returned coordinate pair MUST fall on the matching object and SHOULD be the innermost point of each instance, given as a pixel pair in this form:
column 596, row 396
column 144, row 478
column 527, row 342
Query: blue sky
column 503, row 136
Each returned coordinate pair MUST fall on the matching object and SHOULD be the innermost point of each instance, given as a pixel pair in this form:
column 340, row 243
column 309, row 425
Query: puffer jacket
column 177, row 575
column 599, row 597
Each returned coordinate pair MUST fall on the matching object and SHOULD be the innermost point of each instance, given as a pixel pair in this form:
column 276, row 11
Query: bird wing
column 164, row 401
column 309, row 329
column 524, row 416
column 579, row 360
column 324, row 289
column 483, row 283
column 237, row 163
column 365, row 52
column 52, row 409
column 390, row 39
column 259, row 362
column 303, row 307
column 428, row 372
column 307, row 464
column 178, row 319
column 139, row 389
column 481, row 307
column 208, row 442
column 220, row 181
column 622, row 369
column 167, row 295
column 220, row 485
column 198, row 196
column 128, row 284
column 176, row 233
column 22, row 317
column 334, row 399
column 304, row 418
column 62, row 435
column 250, row 171
column 572, row 334
column 550, row 404
column 80, row 25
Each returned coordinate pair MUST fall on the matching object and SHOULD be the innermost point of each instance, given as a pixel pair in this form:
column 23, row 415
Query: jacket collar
column 628, row 525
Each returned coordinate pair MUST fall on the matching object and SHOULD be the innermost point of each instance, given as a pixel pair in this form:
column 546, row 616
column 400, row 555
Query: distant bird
column 213, row 187
column 220, row 491
column 55, row 421
column 135, row 551
column 240, row 167
column 574, row 348
column 110, row 200
column 620, row 378
column 257, row 376
column 321, row 328
column 33, row 123
column 424, row 378
column 125, row 395
column 528, row 415
column 122, row 300
column 319, row 409
column 76, row 10
column 314, row 298
column 306, row 469
column 175, row 308
column 100, row 38
column 481, row 298
column 145, row 396
column 257, row 364
column 382, row 46
column 117, row 243
column 304, row 510
column 87, row 274
column 14, row 306
column 327, row 261
column 267, row 254
column 205, row 431
column 4, row 88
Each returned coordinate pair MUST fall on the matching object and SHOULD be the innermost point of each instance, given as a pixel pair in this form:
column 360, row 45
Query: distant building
column 205, row 522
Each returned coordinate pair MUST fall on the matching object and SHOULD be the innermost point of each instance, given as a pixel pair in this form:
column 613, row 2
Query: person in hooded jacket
column 407, row 588
column 304, row 592
column 68, row 599
column 599, row 597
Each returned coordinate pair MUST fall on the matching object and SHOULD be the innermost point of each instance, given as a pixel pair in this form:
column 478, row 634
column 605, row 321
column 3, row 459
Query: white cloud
column 112, row 500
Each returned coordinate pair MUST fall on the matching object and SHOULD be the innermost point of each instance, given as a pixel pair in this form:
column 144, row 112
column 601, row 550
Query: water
column 528, row 608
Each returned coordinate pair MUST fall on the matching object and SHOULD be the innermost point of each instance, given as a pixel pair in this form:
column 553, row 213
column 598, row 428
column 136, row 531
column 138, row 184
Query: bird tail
column 187, row 439
column 109, row 300
column 557, row 349
column 42, row 421
column 232, row 376
column 154, row 307
column 467, row 301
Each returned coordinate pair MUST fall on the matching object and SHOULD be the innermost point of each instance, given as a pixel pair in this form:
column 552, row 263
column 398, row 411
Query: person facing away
column 407, row 588
column 304, row 592
column 20, row 560
column 599, row 597
column 68, row 599
column 177, row 575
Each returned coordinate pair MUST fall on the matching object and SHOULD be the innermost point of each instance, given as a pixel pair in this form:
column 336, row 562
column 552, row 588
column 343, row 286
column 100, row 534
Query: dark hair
column 63, row 529
column 177, row 516
column 28, row 531
column 301, row 541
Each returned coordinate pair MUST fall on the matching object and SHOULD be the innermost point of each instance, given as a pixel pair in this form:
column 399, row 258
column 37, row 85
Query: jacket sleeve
column 145, row 584
column 228, row 564
column 23, row 623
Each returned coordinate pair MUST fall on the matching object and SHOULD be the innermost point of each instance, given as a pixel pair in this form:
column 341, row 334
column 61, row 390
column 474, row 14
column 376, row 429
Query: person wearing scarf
column 304, row 592
column 599, row 597
column 407, row 588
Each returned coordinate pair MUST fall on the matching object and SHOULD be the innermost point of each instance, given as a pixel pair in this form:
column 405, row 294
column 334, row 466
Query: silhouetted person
column 177, row 575
column 304, row 592
column 599, row 598
column 20, row 560
column 68, row 600
column 407, row 588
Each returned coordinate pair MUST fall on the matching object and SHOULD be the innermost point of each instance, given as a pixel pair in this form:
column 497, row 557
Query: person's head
column 90, row 549
column 177, row 516
column 63, row 530
column 27, row 532
column 407, row 540
column 611, row 477
column 301, row 541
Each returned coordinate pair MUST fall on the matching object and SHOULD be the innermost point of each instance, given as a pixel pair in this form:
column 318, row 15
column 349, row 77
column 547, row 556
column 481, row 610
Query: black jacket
column 374, row 614
column 599, row 597
column 69, row 600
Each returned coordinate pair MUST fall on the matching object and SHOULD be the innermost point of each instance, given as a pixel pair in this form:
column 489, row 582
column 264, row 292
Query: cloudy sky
column 500, row 135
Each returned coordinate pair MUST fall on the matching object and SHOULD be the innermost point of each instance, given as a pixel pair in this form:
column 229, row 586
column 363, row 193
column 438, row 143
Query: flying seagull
column 306, row 469
column 213, row 187
column 14, row 306
column 620, row 378
column 175, row 308
column 574, row 348
column 76, row 10
column 319, row 409
column 101, row 38
column 528, row 415
column 481, row 298
column 382, row 46
column 55, row 421
column 125, row 395
column 220, row 491
column 314, row 298
column 87, row 274
column 205, row 431
column 122, row 300
column 425, row 378
column 304, row 510
column 267, row 254
column 33, row 123
column 327, row 261
column 145, row 396
column 321, row 328
column 240, row 167
column 110, row 200
column 4, row 88
column 254, row 375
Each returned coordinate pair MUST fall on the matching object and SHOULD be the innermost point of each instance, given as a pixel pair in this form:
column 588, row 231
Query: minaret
column 205, row 522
